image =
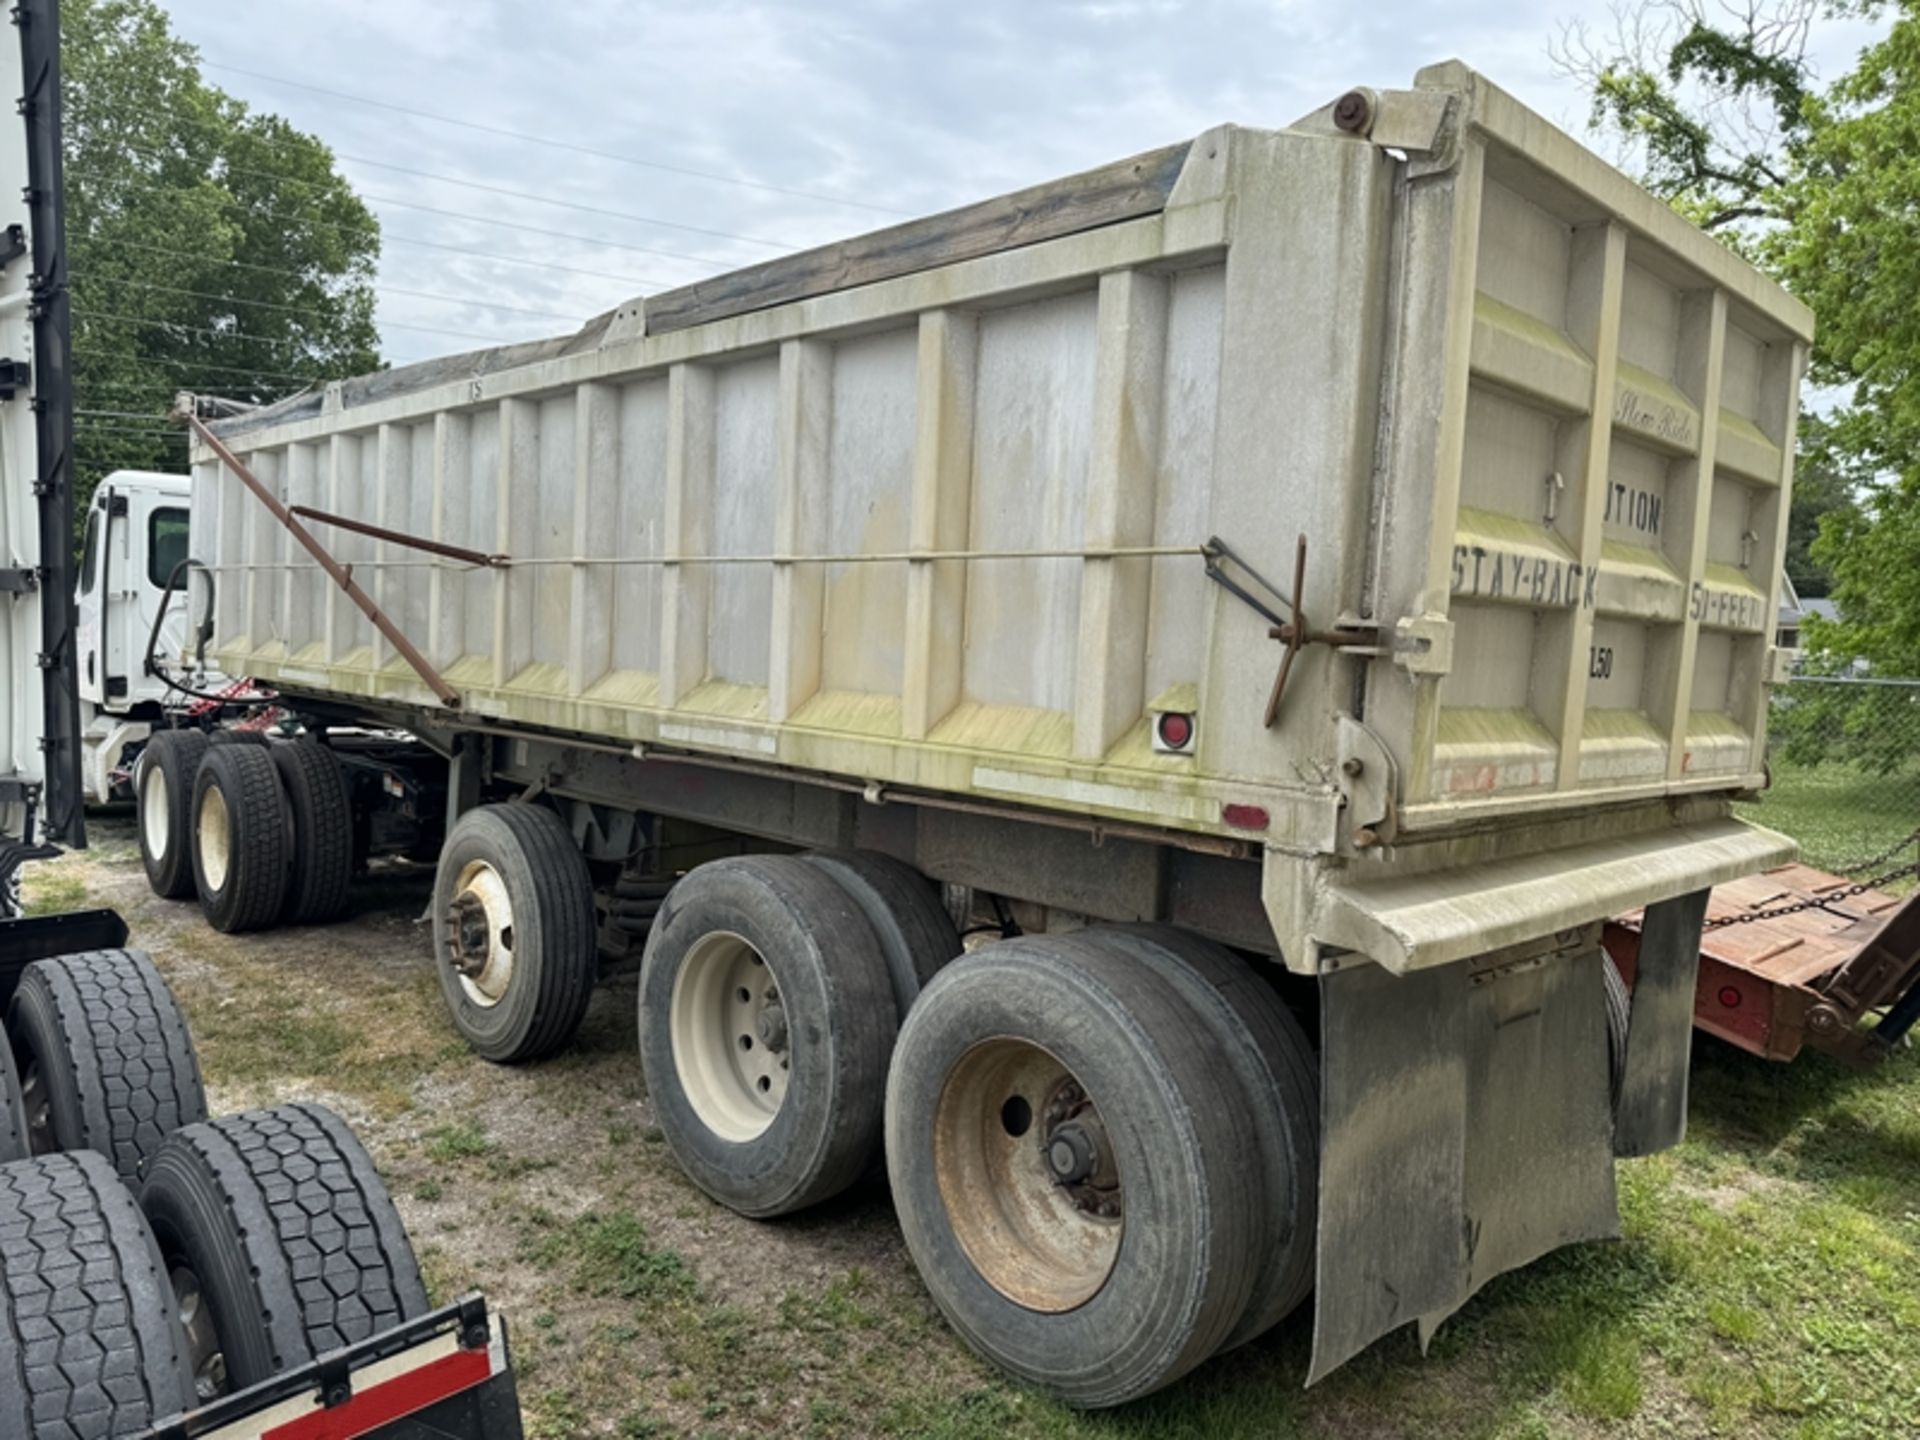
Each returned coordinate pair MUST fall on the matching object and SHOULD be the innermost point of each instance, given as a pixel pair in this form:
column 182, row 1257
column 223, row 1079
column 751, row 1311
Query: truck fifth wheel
column 1288, row 587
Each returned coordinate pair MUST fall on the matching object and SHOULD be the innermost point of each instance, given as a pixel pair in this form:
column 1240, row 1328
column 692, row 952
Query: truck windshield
column 166, row 543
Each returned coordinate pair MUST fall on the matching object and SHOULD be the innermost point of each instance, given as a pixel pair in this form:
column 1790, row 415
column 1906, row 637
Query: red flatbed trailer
column 1796, row 956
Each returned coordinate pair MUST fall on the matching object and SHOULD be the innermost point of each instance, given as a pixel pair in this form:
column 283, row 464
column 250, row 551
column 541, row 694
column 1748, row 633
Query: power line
column 157, row 384
column 385, row 238
column 200, row 364
column 526, row 195
column 245, row 335
column 505, row 133
column 151, row 432
column 269, row 212
column 780, row 245
column 388, row 239
column 294, row 309
column 296, row 275
column 121, row 414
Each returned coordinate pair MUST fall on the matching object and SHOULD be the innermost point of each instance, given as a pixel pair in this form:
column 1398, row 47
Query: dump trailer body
column 928, row 511
column 1387, row 510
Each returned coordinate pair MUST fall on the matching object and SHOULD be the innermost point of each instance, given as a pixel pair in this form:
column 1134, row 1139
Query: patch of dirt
column 1727, row 1195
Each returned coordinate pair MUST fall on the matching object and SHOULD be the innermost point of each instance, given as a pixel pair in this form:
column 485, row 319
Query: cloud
column 909, row 106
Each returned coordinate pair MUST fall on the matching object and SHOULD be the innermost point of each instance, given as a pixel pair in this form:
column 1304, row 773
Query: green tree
column 1853, row 252
column 1817, row 182
column 210, row 248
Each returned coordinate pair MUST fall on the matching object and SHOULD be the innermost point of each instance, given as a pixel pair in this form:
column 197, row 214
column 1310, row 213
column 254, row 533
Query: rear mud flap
column 1653, row 1091
column 1466, row 1131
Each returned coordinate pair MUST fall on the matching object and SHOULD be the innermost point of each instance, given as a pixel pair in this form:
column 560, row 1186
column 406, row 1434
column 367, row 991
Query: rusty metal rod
column 400, row 537
column 342, row 576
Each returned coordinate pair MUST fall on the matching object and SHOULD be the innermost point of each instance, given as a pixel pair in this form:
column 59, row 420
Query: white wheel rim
column 211, row 834
column 481, row 937
column 153, row 811
column 731, row 1047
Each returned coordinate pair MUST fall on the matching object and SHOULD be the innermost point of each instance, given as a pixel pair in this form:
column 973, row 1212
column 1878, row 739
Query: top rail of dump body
column 926, row 509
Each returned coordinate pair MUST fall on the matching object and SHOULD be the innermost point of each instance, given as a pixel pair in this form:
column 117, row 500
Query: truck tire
column 322, row 818
column 514, row 931
column 1278, row 1083
column 766, row 1018
column 90, row 1341
column 1619, row 1009
column 1072, row 1184
column 241, row 826
column 237, row 737
column 164, row 795
column 280, row 1239
column 14, row 1142
column 914, row 930
column 105, row 1056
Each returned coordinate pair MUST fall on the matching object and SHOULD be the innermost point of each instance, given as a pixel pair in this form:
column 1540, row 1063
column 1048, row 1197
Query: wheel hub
column 480, row 934
column 1071, row 1154
column 771, row 1023
column 209, row 1361
column 1077, row 1154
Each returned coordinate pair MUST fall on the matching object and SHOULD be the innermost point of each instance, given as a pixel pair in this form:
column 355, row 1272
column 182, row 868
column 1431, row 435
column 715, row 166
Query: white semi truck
column 1130, row 700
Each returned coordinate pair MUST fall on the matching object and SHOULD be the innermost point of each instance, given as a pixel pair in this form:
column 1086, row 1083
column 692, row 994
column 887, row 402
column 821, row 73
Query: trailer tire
column 915, row 932
column 164, row 799
column 241, row 826
column 1013, row 1226
column 1277, row 1075
column 90, row 1340
column 237, row 737
column 322, row 831
column 103, row 1046
column 513, row 903
column 1619, row 1009
column 766, row 1019
column 14, row 1141
column 280, row 1225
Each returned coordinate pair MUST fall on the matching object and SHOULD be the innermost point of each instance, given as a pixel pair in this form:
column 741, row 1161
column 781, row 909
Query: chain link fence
column 1844, row 753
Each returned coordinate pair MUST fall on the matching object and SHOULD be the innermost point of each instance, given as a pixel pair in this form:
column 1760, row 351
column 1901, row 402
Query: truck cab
column 136, row 537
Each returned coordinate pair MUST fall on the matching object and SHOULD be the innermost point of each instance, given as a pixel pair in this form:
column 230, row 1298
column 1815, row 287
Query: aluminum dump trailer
column 1353, row 545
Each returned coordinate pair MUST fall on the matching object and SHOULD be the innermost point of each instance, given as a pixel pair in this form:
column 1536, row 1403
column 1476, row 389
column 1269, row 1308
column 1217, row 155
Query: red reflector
column 395, row 1399
column 1176, row 730
column 1730, row 997
column 1246, row 817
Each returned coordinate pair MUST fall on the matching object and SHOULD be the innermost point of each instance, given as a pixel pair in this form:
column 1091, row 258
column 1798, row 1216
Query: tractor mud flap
column 1466, row 1131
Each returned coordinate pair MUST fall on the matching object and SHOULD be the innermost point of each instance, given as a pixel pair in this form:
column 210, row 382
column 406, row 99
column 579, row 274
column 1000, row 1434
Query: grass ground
column 1838, row 812
column 1767, row 1284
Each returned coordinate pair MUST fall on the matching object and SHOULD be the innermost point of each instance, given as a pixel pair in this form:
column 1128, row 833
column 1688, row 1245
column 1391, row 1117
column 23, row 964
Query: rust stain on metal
column 400, row 537
column 1298, row 633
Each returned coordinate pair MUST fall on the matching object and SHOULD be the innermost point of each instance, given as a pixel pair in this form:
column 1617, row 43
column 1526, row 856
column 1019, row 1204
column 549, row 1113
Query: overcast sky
column 902, row 107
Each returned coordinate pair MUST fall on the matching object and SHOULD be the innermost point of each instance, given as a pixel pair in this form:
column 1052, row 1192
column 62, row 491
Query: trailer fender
column 1466, row 1131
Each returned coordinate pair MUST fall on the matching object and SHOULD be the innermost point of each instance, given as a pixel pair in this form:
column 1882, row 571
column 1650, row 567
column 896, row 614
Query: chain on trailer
column 1850, row 892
